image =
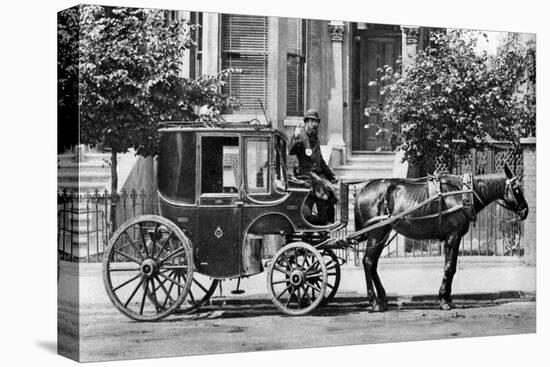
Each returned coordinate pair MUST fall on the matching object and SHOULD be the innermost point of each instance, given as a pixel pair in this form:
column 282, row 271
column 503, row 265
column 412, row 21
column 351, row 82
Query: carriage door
column 219, row 237
column 373, row 48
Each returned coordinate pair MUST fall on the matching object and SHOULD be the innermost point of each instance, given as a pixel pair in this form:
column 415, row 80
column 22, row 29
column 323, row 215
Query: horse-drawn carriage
column 221, row 189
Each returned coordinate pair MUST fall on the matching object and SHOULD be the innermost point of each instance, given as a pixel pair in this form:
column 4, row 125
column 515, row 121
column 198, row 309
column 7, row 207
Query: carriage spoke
column 299, row 296
column 133, row 244
column 140, row 224
column 164, row 281
column 127, row 256
column 308, row 296
column 317, row 274
column 290, row 296
column 280, row 281
column 166, row 241
column 125, row 269
column 134, row 292
column 168, row 296
column 311, row 286
column 175, row 253
column 284, row 271
column 125, row 283
column 154, row 239
column 174, row 267
column 169, row 291
column 284, row 291
column 154, row 295
column 145, row 288
column 173, row 281
column 200, row 285
column 314, row 263
column 191, row 297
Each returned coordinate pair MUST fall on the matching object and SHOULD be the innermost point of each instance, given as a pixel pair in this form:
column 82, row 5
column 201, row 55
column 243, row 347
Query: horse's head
column 513, row 195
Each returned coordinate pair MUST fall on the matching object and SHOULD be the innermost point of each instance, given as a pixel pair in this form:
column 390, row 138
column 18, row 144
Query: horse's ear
column 507, row 171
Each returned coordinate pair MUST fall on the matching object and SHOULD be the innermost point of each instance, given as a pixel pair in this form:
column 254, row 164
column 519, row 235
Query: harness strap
column 468, row 198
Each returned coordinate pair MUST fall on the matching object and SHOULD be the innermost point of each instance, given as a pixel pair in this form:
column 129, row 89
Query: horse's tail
column 359, row 219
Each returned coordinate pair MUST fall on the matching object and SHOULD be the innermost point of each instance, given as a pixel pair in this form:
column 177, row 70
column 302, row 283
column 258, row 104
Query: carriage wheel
column 140, row 267
column 297, row 278
column 333, row 273
column 202, row 287
column 200, row 292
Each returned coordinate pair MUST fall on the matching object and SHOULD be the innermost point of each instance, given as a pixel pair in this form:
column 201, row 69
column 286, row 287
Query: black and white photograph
column 234, row 172
column 233, row 180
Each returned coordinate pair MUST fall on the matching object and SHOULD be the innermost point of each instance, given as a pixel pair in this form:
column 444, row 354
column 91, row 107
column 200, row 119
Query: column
column 529, row 192
column 210, row 43
column 336, row 100
column 409, row 45
column 276, row 70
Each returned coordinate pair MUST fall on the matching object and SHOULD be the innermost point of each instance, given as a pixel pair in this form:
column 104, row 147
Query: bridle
column 511, row 184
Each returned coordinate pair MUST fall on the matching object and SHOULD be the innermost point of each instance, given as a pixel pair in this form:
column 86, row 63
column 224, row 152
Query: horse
column 445, row 219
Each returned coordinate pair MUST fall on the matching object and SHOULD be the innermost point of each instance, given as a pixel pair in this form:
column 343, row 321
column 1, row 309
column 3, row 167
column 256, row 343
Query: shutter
column 244, row 46
column 295, row 67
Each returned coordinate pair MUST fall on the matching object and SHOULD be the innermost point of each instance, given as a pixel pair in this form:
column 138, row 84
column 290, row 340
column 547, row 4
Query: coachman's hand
column 300, row 129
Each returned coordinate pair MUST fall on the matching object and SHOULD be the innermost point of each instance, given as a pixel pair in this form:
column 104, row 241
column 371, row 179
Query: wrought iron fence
column 496, row 232
column 85, row 220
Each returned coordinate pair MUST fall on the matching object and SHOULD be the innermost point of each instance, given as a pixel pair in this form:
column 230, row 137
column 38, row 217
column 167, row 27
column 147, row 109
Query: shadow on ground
column 345, row 305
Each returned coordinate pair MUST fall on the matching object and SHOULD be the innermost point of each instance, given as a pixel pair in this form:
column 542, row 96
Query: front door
column 373, row 48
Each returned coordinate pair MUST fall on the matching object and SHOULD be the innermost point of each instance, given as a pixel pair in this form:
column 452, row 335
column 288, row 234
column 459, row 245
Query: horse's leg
column 381, row 301
column 451, row 255
column 371, row 296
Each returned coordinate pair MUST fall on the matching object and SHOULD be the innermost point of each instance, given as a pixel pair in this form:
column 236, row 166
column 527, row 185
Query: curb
column 413, row 300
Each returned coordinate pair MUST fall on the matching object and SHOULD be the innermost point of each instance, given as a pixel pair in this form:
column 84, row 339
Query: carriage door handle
column 239, row 203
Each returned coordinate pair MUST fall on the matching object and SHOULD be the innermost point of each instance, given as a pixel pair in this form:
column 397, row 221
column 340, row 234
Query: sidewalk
column 476, row 277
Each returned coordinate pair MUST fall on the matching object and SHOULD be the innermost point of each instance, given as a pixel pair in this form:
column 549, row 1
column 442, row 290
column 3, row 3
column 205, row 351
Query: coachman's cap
column 312, row 114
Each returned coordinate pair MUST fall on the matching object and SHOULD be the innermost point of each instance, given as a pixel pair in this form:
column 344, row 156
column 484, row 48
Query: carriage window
column 220, row 165
column 257, row 165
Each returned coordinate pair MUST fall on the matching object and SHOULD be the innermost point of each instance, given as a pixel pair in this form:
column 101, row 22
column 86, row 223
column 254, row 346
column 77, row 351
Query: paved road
column 254, row 324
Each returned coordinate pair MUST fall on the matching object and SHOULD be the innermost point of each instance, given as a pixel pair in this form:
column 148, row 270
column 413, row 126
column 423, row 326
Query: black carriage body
column 222, row 184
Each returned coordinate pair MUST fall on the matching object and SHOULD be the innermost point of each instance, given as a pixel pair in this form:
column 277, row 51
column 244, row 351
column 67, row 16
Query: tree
column 454, row 98
column 129, row 65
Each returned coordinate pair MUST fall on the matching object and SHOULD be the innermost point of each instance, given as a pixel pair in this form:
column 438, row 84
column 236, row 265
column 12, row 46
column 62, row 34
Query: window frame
column 200, row 193
column 269, row 179
column 302, row 57
column 225, row 57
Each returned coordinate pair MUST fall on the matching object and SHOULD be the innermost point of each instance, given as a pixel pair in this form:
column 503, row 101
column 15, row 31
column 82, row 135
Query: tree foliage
column 454, row 98
column 129, row 76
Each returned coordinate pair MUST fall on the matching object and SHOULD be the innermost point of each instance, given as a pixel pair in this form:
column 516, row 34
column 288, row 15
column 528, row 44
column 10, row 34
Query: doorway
column 373, row 47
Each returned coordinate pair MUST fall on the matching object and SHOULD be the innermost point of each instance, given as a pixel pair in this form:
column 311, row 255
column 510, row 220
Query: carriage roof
column 225, row 127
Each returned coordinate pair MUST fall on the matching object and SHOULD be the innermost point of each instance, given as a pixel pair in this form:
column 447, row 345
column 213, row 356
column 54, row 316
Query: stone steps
column 363, row 167
column 84, row 172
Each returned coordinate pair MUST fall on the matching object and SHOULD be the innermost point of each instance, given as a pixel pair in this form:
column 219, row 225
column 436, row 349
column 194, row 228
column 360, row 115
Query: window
column 195, row 52
column 176, row 166
column 257, row 166
column 295, row 67
column 244, row 46
column 220, row 164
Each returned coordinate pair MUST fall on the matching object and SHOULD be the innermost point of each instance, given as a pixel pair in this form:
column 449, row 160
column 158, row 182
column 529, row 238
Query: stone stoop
column 81, row 224
column 84, row 172
column 81, row 228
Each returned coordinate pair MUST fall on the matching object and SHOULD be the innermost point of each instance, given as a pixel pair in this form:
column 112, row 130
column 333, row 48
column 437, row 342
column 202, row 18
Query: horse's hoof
column 446, row 305
column 379, row 307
